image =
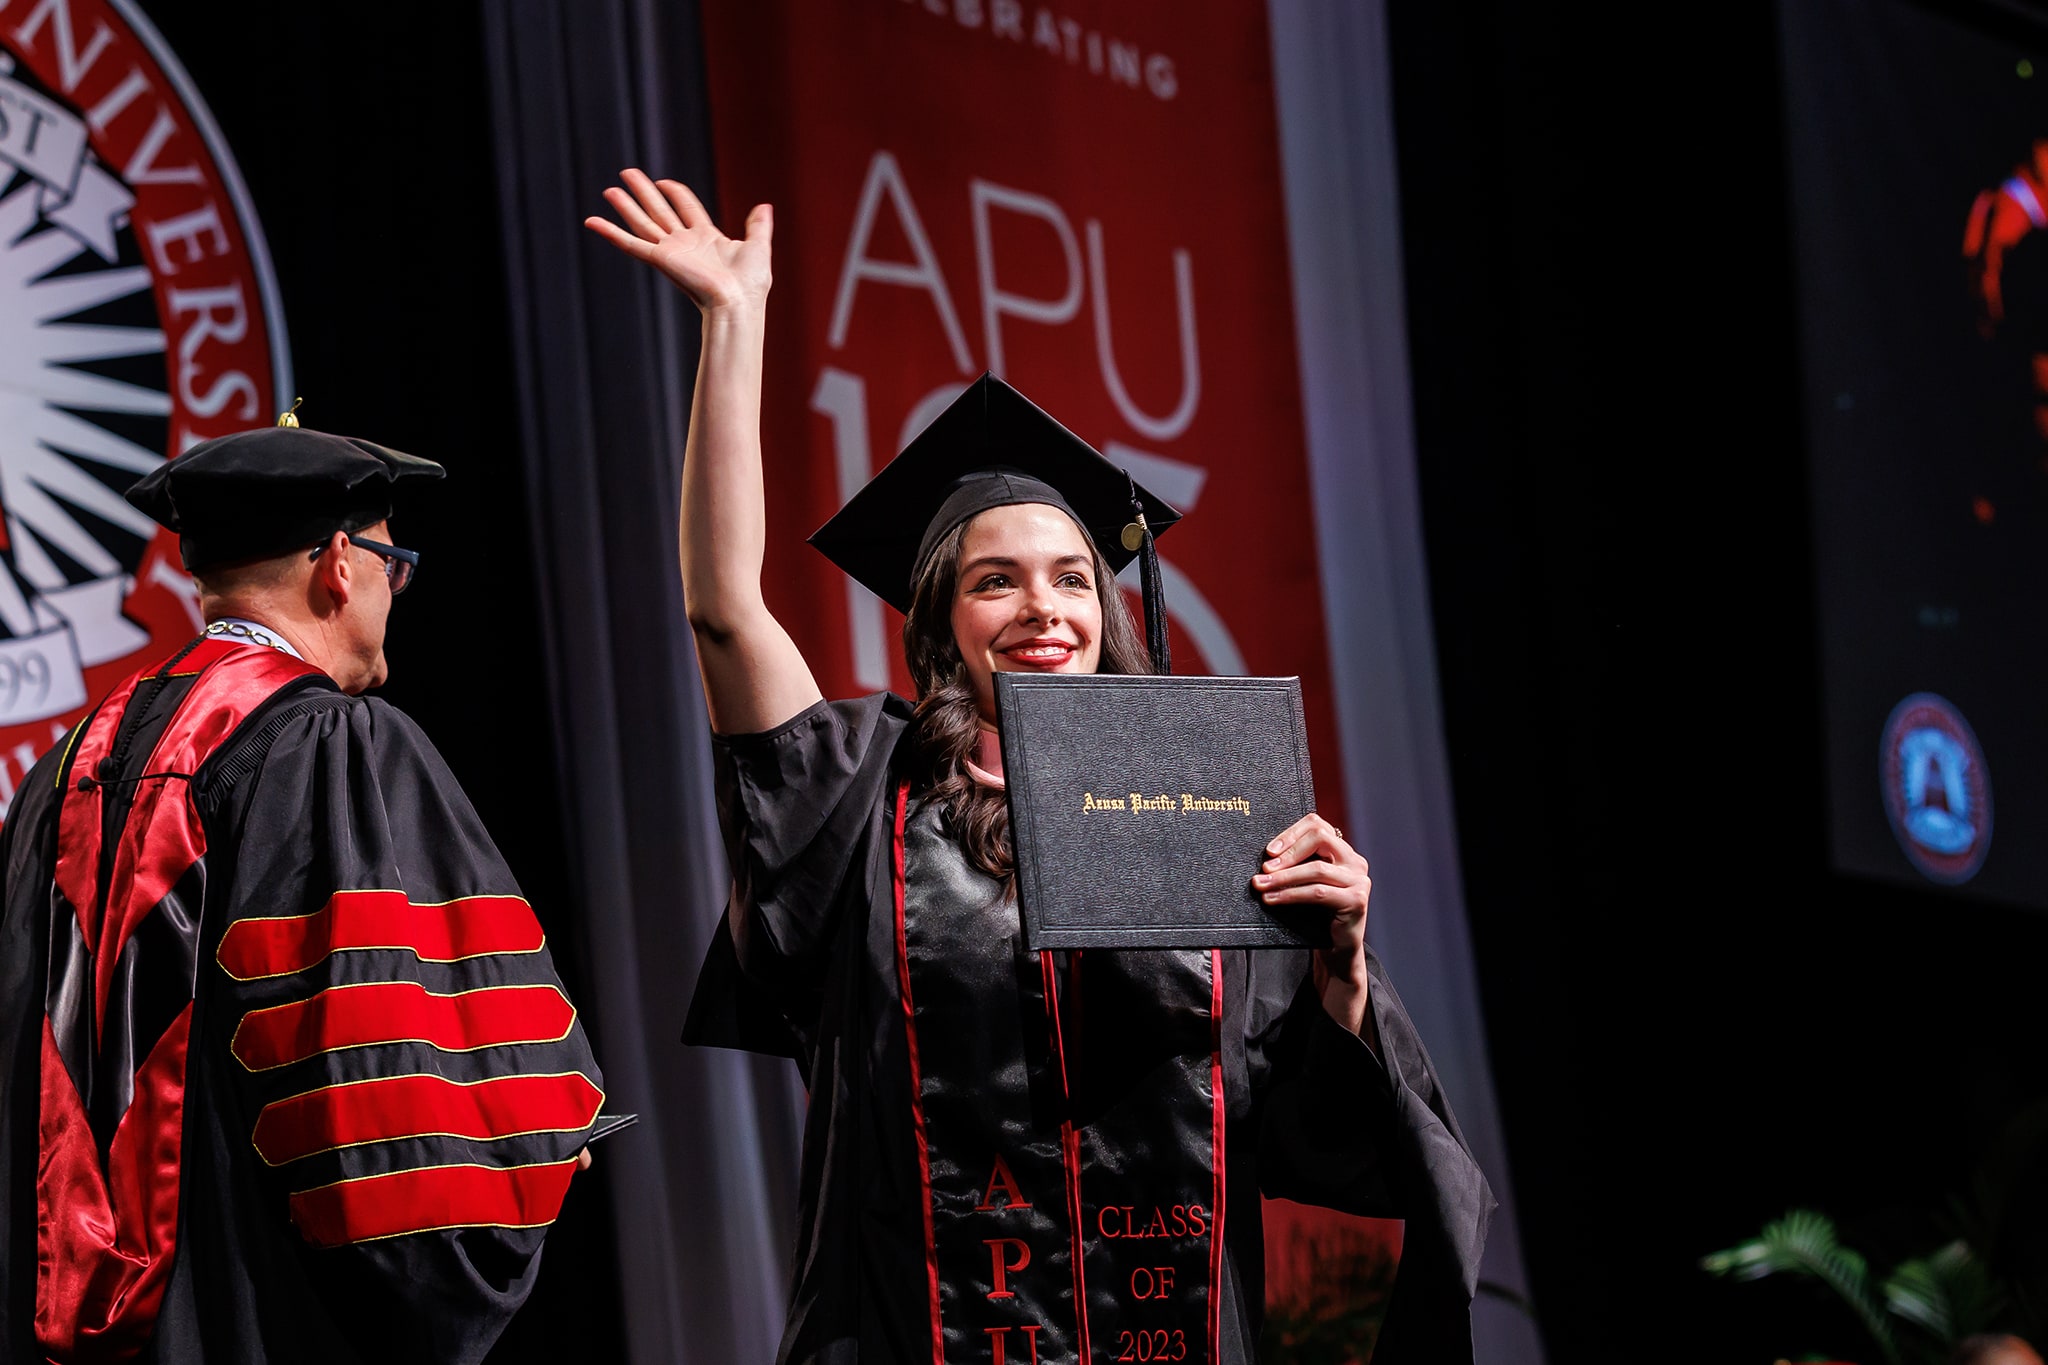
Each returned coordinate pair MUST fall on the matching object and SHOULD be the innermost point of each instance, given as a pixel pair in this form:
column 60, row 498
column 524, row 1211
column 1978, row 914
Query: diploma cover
column 1140, row 807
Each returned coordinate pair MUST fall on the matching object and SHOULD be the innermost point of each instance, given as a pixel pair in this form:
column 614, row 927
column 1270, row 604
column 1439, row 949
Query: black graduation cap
column 993, row 447
column 255, row 494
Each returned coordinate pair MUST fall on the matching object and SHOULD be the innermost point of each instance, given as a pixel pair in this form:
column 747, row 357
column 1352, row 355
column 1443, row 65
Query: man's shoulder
column 393, row 732
column 366, row 733
column 371, row 723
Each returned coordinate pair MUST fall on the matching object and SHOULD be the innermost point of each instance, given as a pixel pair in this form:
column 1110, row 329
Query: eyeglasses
column 399, row 565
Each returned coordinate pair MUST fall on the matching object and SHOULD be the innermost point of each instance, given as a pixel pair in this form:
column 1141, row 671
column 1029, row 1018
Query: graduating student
column 287, row 1071
column 1008, row 1156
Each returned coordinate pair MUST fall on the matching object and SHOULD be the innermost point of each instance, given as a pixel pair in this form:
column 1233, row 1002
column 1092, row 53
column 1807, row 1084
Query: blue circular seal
column 1936, row 789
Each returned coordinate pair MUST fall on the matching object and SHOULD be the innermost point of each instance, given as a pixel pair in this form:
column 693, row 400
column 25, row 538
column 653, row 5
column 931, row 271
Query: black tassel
column 1150, row 587
column 1155, row 608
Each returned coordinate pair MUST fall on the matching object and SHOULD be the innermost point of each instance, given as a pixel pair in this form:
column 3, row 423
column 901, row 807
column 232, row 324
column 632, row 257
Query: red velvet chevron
column 474, row 926
column 421, row 1065
column 118, row 1006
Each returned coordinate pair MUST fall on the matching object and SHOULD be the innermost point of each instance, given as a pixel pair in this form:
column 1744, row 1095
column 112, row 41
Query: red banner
column 1084, row 198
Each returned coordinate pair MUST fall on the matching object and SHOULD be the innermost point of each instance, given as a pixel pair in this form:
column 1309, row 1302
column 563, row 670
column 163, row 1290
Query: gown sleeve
column 24, row 872
column 1372, row 1133
column 798, row 807
column 398, row 1074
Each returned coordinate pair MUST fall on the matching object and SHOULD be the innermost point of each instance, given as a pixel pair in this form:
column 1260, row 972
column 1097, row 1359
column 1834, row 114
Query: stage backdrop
column 1097, row 202
column 1086, row 203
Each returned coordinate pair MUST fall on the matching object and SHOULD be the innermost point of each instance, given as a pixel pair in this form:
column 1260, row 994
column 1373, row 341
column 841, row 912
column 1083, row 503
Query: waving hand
column 755, row 678
column 666, row 226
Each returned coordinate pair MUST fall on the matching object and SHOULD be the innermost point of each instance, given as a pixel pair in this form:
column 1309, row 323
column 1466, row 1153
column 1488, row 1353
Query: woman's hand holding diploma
column 1310, row 864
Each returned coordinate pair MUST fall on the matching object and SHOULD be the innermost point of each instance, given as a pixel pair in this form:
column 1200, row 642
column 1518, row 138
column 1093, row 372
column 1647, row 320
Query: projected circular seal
column 1936, row 788
column 138, row 316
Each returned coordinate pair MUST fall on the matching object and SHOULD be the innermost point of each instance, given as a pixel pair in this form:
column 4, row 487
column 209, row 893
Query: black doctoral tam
column 255, row 494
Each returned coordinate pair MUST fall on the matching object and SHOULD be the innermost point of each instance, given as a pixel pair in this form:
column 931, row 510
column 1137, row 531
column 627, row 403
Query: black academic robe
column 1017, row 1157
column 288, row 1074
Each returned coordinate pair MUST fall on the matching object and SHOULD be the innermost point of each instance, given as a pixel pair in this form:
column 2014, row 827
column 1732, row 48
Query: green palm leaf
column 1949, row 1293
column 1804, row 1243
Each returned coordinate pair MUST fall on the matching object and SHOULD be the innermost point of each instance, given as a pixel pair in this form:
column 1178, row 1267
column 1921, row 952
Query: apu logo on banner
column 138, row 317
column 1085, row 200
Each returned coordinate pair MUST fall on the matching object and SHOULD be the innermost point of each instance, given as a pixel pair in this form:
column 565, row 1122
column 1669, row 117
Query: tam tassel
column 1150, row 586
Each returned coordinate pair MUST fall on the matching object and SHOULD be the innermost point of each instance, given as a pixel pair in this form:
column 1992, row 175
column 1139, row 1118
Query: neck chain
column 242, row 630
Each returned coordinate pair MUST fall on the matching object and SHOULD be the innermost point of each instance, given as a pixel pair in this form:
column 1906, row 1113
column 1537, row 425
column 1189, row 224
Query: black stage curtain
column 704, row 1188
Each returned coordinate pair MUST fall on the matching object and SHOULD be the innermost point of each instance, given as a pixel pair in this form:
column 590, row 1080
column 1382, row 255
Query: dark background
column 1694, row 1023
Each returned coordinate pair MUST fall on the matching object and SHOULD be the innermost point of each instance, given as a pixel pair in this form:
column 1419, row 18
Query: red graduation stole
column 1073, row 1187
column 124, row 940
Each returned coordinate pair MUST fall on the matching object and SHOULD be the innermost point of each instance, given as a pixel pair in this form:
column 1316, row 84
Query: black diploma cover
column 1141, row 806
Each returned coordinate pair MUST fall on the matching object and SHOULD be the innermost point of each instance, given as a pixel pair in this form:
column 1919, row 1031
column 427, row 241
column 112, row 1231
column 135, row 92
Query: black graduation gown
column 994, row 1136
column 333, row 1088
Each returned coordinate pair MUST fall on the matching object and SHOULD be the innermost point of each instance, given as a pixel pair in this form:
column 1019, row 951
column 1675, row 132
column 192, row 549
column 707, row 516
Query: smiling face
column 1025, row 598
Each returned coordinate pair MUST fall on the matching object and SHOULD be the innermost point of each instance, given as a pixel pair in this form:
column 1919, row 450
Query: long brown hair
column 949, row 716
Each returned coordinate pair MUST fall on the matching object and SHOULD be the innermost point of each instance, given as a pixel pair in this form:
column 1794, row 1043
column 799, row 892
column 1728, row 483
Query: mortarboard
column 993, row 447
column 254, row 494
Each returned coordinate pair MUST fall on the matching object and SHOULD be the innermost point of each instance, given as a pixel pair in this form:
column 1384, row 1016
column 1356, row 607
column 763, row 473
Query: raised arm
column 754, row 676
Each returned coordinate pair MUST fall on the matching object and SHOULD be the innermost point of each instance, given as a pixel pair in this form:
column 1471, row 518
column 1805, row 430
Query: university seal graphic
column 138, row 316
column 1936, row 789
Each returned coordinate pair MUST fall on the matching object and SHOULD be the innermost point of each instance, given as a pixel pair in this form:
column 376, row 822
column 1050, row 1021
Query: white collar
column 241, row 630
